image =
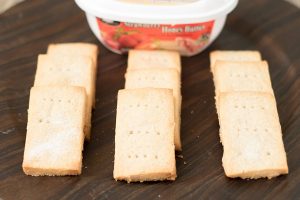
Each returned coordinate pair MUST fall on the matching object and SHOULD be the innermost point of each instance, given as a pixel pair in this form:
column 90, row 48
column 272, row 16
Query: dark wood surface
column 269, row 26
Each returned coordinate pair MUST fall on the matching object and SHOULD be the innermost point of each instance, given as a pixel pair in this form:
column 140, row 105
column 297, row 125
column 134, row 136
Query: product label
column 188, row 39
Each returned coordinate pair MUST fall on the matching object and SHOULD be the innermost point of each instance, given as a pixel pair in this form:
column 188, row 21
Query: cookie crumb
column 179, row 156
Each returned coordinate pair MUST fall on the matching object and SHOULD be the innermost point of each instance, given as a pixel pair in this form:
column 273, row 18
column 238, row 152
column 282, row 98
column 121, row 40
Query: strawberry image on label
column 188, row 39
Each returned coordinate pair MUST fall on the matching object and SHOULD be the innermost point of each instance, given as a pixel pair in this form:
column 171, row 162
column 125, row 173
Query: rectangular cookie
column 144, row 59
column 233, row 76
column 68, row 70
column 251, row 135
column 144, row 141
column 159, row 78
column 242, row 76
column 77, row 49
column 54, row 139
column 233, row 56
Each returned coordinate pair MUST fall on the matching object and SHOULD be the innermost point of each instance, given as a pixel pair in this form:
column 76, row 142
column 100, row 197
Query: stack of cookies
column 249, row 124
column 60, row 108
column 148, row 117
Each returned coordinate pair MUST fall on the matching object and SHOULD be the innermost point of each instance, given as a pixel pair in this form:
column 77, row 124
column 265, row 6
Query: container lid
column 158, row 11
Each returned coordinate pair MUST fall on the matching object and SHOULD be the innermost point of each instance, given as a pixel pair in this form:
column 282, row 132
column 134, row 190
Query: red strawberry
column 108, row 38
column 128, row 41
column 141, row 37
column 111, row 43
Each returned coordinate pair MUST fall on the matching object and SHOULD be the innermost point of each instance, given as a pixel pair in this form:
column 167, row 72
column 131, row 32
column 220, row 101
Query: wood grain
column 270, row 26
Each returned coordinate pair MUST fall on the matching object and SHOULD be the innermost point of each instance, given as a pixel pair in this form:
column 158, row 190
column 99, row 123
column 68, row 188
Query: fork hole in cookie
column 145, row 156
column 268, row 153
column 158, row 133
column 155, row 157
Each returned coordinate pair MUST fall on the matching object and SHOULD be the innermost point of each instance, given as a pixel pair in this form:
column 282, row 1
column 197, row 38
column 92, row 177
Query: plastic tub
column 187, row 26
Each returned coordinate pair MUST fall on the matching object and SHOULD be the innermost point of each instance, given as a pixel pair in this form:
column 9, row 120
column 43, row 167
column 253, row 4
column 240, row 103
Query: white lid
column 192, row 12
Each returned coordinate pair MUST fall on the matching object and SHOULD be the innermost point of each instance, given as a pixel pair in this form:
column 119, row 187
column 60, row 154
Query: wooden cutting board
column 270, row 26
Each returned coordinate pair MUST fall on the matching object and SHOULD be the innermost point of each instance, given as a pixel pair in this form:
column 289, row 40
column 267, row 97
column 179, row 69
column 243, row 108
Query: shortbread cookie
column 251, row 135
column 54, row 139
column 159, row 78
column 77, row 49
column 68, row 70
column 145, row 59
column 233, row 56
column 242, row 76
column 144, row 141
